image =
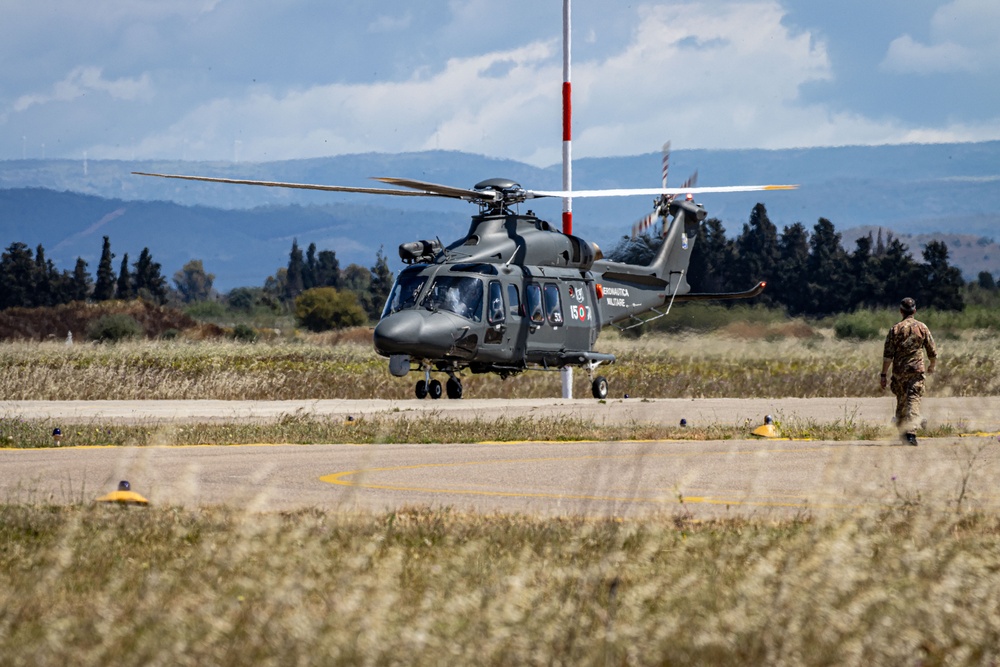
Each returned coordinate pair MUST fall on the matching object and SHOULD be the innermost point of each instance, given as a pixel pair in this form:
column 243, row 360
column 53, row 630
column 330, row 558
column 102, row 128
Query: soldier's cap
column 908, row 306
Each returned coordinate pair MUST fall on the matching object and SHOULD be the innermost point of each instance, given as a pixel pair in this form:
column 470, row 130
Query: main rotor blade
column 442, row 190
column 298, row 186
column 624, row 192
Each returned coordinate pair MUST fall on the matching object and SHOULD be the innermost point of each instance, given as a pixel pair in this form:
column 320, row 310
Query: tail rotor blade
column 643, row 224
column 666, row 163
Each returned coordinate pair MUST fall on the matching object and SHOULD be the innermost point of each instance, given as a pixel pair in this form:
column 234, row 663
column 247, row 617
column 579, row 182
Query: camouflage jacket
column 905, row 345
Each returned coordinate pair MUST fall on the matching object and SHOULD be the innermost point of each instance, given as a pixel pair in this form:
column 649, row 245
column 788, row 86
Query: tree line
column 808, row 273
column 28, row 279
column 812, row 273
column 345, row 297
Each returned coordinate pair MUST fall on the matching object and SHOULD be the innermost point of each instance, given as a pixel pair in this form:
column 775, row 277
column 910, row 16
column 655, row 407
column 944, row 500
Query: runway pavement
column 965, row 413
column 701, row 479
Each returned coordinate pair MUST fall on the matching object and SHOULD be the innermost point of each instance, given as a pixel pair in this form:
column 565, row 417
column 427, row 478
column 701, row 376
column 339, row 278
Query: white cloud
column 696, row 74
column 463, row 107
column 963, row 38
column 703, row 74
column 84, row 80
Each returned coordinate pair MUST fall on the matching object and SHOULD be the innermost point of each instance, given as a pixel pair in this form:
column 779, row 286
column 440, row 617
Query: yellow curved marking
column 341, row 479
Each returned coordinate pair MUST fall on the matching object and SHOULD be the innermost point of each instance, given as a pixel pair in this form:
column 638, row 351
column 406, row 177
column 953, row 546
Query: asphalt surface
column 701, row 479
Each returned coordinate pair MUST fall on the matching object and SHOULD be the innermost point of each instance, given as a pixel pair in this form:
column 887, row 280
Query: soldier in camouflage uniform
column 904, row 350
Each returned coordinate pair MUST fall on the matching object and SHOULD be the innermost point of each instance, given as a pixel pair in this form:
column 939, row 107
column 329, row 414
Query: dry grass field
column 741, row 360
column 117, row 586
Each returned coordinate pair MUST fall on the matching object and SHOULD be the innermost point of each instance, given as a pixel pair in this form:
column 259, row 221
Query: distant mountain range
column 243, row 234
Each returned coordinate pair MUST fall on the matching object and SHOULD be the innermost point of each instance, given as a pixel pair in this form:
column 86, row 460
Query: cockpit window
column 457, row 294
column 404, row 292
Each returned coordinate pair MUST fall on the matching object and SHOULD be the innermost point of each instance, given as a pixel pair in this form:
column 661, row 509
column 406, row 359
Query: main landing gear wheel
column 421, row 389
column 454, row 388
column 434, row 389
column 600, row 387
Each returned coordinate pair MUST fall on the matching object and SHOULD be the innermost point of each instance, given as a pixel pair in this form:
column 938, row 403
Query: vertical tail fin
column 672, row 259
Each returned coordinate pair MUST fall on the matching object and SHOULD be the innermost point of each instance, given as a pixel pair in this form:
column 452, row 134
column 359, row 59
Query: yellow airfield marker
column 767, row 430
column 123, row 496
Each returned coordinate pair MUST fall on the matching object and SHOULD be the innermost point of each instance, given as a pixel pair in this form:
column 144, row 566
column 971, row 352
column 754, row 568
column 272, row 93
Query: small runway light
column 767, row 430
column 123, row 496
column 57, row 436
column 684, row 423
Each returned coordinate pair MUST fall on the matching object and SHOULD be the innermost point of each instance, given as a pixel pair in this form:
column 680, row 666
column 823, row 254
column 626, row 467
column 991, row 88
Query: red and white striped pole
column 567, row 119
column 567, row 162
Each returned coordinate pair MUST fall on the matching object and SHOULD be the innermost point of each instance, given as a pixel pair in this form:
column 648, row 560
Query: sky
column 262, row 80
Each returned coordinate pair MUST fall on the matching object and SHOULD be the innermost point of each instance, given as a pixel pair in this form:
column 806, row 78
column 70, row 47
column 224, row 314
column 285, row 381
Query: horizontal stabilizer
column 723, row 296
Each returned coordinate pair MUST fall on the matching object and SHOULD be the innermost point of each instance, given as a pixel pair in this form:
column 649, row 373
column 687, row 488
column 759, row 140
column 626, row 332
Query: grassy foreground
column 88, row 585
column 655, row 366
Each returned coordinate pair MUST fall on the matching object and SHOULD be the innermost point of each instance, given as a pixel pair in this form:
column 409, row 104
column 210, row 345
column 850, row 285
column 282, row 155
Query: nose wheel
column 435, row 389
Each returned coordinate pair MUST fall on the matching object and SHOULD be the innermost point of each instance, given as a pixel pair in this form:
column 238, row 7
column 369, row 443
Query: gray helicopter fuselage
column 512, row 293
column 515, row 293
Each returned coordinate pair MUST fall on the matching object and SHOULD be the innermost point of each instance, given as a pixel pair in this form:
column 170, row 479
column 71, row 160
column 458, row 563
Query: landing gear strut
column 598, row 384
column 454, row 387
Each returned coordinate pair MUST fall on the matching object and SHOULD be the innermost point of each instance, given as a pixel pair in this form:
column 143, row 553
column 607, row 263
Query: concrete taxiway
column 701, row 479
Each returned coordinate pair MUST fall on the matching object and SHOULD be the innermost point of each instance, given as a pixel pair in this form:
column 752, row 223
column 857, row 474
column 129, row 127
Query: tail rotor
column 661, row 205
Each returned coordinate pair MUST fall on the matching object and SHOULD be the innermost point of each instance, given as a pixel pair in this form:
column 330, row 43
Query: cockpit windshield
column 461, row 295
column 405, row 292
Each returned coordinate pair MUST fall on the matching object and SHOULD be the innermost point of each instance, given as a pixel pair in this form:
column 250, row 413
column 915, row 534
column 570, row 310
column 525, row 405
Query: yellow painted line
column 341, row 479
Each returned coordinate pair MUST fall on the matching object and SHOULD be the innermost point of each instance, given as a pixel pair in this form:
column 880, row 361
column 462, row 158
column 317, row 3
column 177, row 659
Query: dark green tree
column 636, row 250
column 104, row 286
column 757, row 252
column 327, row 269
column 149, row 283
column 44, row 279
column 942, row 284
column 193, row 283
column 865, row 291
column 80, row 284
column 986, row 281
column 828, row 287
column 789, row 284
column 17, row 276
column 275, row 286
column 358, row 280
column 296, row 265
column 124, row 288
column 381, row 285
column 712, row 259
column 310, row 269
column 897, row 273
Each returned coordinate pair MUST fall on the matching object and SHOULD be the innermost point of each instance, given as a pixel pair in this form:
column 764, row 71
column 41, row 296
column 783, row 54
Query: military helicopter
column 516, row 294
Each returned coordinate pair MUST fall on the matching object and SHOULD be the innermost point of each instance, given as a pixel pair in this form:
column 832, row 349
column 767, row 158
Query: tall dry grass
column 103, row 586
column 654, row 366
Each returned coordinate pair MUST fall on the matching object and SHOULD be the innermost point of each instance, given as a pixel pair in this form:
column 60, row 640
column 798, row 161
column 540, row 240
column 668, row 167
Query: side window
column 514, row 299
column 496, row 313
column 533, row 293
column 553, row 306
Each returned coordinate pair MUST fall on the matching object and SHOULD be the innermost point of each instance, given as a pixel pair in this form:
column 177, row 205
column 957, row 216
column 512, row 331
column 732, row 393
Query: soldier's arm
column 886, row 360
column 931, row 352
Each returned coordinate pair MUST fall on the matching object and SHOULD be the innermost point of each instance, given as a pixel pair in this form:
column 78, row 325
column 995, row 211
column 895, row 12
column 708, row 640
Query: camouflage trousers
column 908, row 389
